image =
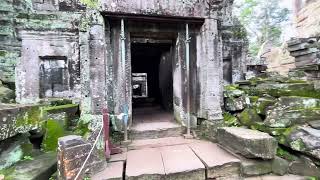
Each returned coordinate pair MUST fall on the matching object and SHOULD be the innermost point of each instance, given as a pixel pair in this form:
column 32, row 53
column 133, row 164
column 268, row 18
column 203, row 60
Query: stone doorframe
column 205, row 66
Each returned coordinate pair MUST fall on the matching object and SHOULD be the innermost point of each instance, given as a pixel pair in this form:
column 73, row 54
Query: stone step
column 219, row 163
column 144, row 164
column 160, row 142
column 249, row 143
column 181, row 163
column 154, row 130
column 274, row 177
column 114, row 171
column 41, row 167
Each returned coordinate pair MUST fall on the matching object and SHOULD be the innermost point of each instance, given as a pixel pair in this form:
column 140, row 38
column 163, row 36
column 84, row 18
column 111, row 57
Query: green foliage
column 285, row 154
column 230, row 120
column 28, row 158
column 263, row 21
column 312, row 178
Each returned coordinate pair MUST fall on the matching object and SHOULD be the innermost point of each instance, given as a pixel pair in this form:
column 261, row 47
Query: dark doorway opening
column 152, row 100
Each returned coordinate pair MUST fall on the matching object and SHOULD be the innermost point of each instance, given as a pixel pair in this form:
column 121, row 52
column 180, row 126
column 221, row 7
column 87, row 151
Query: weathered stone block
column 280, row 166
column 232, row 92
column 14, row 149
column 284, row 89
column 249, row 116
column 235, row 104
column 283, row 118
column 6, row 95
column 41, row 167
column 208, row 129
column 254, row 167
column 315, row 124
column 68, row 165
column 304, row 166
column 249, row 143
column 263, row 104
column 298, row 102
column 306, row 140
column 19, row 119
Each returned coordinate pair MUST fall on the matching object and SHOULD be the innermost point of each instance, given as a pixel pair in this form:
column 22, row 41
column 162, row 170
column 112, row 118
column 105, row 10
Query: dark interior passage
column 154, row 60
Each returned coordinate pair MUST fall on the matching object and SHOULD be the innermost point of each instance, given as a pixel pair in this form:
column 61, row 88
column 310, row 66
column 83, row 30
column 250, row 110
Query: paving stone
column 286, row 177
column 118, row 157
column 219, row 163
column 114, row 171
column 160, row 142
column 274, row 177
column 181, row 163
column 249, row 143
column 144, row 164
column 154, row 130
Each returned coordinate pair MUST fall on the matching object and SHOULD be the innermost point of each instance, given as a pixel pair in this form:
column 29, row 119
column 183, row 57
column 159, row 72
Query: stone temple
column 153, row 89
column 77, row 50
column 162, row 62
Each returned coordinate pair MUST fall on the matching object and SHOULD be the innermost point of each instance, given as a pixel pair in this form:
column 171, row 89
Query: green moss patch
column 298, row 145
column 32, row 117
column 90, row 3
column 60, row 108
column 230, row 120
column 285, row 154
column 249, row 116
column 54, row 130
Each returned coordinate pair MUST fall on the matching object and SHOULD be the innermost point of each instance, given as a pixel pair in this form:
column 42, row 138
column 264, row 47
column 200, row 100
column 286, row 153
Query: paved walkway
column 176, row 158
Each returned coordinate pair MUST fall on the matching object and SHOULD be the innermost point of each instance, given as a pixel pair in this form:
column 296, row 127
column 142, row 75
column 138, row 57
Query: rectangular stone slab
column 181, row 163
column 144, row 164
column 114, row 171
column 219, row 163
column 249, row 143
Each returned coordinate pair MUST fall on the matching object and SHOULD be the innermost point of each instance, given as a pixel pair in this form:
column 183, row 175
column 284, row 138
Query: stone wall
column 285, row 108
column 308, row 20
column 279, row 60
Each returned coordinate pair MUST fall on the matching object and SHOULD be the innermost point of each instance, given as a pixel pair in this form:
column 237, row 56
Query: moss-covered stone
column 6, row 95
column 54, row 130
column 232, row 91
column 14, row 149
column 263, row 103
column 249, row 116
column 283, row 118
column 285, row 154
column 90, row 3
column 235, row 103
column 296, row 102
column 41, row 167
column 272, row 131
column 298, row 145
column 230, row 120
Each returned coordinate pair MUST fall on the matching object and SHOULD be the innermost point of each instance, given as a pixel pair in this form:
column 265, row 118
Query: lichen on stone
column 298, row 145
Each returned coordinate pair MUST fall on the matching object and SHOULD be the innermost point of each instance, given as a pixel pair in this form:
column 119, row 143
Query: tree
column 263, row 20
